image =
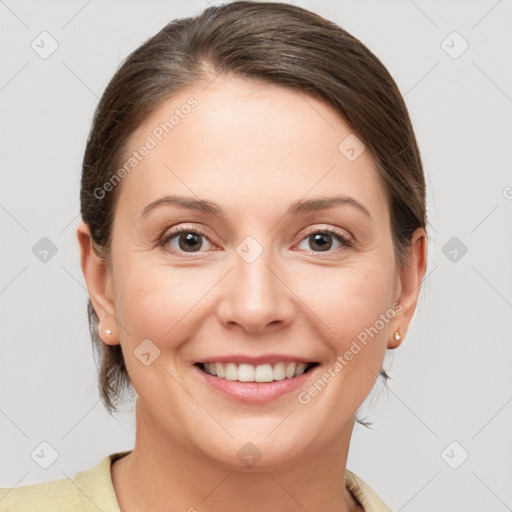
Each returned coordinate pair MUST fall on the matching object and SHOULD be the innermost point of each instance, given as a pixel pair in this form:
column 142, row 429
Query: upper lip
column 256, row 360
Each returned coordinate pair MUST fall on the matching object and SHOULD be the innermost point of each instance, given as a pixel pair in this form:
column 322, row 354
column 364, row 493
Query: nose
column 255, row 294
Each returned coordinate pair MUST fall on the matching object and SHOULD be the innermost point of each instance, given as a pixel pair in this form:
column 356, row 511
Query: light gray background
column 452, row 378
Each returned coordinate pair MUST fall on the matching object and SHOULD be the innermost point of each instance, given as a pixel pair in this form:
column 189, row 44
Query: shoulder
column 88, row 490
column 58, row 495
column 364, row 494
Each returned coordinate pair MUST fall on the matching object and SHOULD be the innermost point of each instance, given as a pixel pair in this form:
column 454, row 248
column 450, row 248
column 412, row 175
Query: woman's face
column 258, row 279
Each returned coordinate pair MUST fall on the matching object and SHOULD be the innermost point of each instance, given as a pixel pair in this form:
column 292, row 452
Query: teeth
column 289, row 372
column 263, row 373
column 231, row 372
column 299, row 370
column 219, row 370
column 249, row 373
column 279, row 371
column 246, row 372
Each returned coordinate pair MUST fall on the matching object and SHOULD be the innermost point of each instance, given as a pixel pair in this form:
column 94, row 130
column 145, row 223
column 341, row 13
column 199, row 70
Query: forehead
column 241, row 140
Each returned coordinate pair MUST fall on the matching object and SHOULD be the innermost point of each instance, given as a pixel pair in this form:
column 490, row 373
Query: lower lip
column 252, row 392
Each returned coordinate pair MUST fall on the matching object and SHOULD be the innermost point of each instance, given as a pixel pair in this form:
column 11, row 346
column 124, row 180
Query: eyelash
column 343, row 239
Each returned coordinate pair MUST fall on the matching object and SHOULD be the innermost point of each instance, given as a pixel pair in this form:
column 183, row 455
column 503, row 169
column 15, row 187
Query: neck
column 160, row 473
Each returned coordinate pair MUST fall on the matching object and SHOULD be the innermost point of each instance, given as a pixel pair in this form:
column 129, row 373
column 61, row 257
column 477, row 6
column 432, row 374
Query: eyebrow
column 297, row 207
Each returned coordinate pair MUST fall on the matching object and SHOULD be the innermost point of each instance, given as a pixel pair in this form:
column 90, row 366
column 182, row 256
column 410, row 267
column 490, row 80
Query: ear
column 409, row 285
column 99, row 284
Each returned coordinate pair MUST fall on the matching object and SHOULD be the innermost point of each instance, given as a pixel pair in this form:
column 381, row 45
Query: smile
column 261, row 373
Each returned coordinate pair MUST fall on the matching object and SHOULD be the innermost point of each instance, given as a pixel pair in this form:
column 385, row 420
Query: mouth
column 262, row 373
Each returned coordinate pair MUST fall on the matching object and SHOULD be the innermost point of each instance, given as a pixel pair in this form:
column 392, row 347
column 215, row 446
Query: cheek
column 155, row 302
column 168, row 305
column 355, row 306
column 348, row 300
column 157, row 305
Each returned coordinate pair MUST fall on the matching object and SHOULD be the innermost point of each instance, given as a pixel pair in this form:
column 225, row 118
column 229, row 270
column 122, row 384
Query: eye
column 191, row 240
column 184, row 240
column 322, row 240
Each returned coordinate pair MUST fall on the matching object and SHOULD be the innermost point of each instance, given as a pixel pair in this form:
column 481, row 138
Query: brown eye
column 320, row 241
column 323, row 240
column 184, row 240
column 189, row 242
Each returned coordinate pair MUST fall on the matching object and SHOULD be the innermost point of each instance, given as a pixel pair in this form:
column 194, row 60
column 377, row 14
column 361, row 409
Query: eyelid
column 346, row 239
column 329, row 229
column 178, row 230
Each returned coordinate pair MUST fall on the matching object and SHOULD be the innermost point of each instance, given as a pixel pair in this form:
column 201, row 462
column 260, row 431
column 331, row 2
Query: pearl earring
column 397, row 336
column 108, row 331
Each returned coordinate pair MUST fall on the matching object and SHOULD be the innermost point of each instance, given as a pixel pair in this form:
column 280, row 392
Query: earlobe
column 98, row 281
column 396, row 340
column 411, row 276
column 107, row 335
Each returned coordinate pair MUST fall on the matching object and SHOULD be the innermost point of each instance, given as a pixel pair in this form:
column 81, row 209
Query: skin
column 252, row 148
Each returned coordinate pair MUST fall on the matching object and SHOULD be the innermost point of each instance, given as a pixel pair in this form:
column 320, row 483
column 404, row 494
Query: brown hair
column 275, row 42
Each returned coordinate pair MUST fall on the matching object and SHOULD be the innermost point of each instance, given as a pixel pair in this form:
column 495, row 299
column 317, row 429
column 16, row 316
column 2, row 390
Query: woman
column 253, row 240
